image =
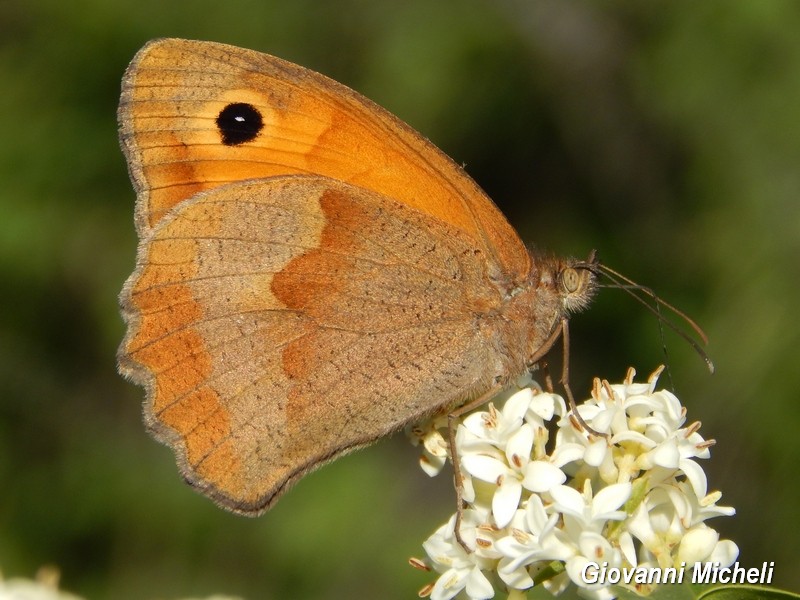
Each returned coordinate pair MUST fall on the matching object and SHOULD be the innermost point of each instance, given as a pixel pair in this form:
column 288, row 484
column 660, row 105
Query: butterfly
column 312, row 274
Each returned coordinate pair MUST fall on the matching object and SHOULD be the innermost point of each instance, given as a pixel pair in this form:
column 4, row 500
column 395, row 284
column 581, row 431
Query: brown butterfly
column 312, row 273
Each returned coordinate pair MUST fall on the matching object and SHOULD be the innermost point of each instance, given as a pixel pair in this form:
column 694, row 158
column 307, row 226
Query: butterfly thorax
column 529, row 319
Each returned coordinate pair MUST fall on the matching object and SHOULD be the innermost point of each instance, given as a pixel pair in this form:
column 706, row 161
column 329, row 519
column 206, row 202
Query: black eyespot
column 239, row 123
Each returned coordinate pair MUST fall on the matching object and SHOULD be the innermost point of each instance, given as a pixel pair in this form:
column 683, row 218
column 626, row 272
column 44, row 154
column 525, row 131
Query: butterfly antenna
column 628, row 285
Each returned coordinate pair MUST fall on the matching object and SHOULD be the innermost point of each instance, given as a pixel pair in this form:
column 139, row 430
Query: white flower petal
column 709, row 508
column 575, row 568
column 556, row 545
column 600, row 420
column 516, row 577
column 478, row 587
column 437, row 548
column 693, row 446
column 556, row 585
column 435, row 443
column 444, row 551
column 566, row 453
column 671, row 404
column 519, row 445
column 695, row 475
column 681, row 504
column 596, row 452
column 543, row 405
column 517, row 555
column 666, row 455
column 541, row 476
column 568, row 500
column 432, row 465
column 633, row 436
column 468, row 490
column 697, row 545
column 599, row 593
column 484, row 467
column 627, row 548
column 725, row 553
column 595, row 545
column 475, row 424
column 535, row 515
column 449, row 584
column 640, row 526
column 506, row 501
column 516, row 406
column 610, row 498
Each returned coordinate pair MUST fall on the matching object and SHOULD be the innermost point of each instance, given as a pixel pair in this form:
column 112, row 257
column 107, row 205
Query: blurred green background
column 665, row 134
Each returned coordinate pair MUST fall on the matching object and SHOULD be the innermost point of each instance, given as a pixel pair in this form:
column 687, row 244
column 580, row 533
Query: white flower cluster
column 539, row 511
column 45, row 587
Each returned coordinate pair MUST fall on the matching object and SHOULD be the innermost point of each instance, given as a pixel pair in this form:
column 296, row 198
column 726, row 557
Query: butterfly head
column 577, row 282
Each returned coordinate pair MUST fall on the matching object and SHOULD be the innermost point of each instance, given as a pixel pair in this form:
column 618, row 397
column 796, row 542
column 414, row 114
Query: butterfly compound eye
column 570, row 280
column 577, row 287
column 239, row 123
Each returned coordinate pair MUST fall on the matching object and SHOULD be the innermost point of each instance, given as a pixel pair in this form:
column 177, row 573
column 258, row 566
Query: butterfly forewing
column 175, row 92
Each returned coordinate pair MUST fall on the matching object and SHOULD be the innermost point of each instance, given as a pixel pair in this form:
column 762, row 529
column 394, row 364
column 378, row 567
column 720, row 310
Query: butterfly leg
column 544, row 367
column 562, row 331
column 577, row 419
column 457, row 477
